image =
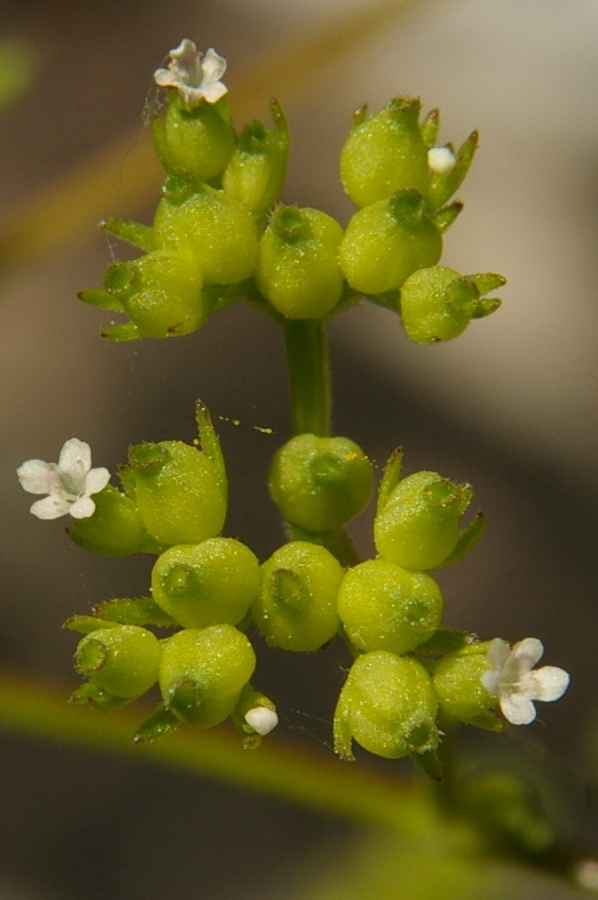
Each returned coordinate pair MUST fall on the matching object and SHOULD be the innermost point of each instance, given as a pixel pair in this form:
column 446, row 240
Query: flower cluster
column 217, row 236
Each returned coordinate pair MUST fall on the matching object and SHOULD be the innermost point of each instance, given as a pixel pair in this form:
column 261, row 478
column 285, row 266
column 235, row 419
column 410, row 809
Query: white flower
column 194, row 79
column 262, row 719
column 441, row 159
column 515, row 684
column 69, row 484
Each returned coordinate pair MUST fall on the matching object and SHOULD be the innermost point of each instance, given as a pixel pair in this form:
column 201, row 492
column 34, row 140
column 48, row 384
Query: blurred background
column 509, row 406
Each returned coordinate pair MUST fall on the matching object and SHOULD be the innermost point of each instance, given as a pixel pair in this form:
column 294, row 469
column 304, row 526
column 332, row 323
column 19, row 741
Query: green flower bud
column 297, row 268
column 437, row 304
column 320, row 483
column 385, row 607
column 203, row 671
column 122, row 660
column 388, row 706
column 197, row 139
column 218, row 230
column 386, row 241
column 458, row 685
column 211, row 583
column 160, row 292
column 417, row 525
column 257, row 167
column 385, row 153
column 115, row 528
column 178, row 492
column 296, row 606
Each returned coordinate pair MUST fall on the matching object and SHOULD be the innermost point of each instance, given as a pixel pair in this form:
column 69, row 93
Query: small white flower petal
column 75, row 459
column 52, row 507
column 213, row 66
column 38, row 477
column 83, row 508
column 528, row 651
column 213, row 92
column 550, row 683
column 262, row 719
column 498, row 652
column 96, row 480
column 441, row 159
column 491, row 682
column 518, row 709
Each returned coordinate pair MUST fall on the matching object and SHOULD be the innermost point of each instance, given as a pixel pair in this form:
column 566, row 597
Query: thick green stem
column 309, row 376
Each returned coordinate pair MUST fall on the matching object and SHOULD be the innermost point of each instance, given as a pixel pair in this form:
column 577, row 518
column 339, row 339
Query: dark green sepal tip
column 162, row 722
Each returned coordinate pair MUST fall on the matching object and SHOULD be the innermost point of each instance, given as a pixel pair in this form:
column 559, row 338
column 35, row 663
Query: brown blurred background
column 510, row 406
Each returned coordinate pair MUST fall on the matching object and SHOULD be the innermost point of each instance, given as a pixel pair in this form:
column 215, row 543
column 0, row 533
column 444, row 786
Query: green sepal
column 467, row 539
column 159, row 724
column 96, row 697
column 430, row 127
column 210, row 445
column 444, row 218
column 101, row 299
column 87, row 624
column 390, row 478
column 488, row 722
column 128, row 331
column 445, row 640
column 135, row 233
column 430, row 764
column 140, row 611
column 444, row 184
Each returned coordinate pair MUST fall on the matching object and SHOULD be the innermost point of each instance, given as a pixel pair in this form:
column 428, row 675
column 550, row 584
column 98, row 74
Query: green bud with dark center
column 122, row 660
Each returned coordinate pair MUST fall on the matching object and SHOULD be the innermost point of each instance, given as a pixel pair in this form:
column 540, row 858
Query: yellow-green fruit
column 385, row 153
column 122, row 660
column 203, row 671
column 388, row 706
column 437, row 304
column 114, row 529
column 385, row 607
column 296, row 606
column 210, row 583
column 197, row 140
column 419, row 525
column 177, row 492
column 297, row 269
column 160, row 292
column 388, row 240
column 218, row 230
column 320, row 483
column 458, row 685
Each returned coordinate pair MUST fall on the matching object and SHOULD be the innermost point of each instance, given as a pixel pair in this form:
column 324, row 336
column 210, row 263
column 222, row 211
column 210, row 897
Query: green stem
column 296, row 775
column 309, row 376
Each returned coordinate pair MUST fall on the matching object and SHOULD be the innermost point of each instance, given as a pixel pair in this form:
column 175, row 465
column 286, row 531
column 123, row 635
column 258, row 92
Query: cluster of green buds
column 209, row 590
column 219, row 235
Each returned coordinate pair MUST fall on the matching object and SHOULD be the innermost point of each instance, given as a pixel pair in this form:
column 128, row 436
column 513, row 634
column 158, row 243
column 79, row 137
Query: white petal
column 550, row 683
column 38, row 477
column 213, row 66
column 491, row 682
column 186, row 51
column 498, row 652
column 75, row 460
column 52, row 507
column 96, row 480
column 214, row 92
column 441, row 159
column 528, row 652
column 164, row 78
column 83, row 508
column 262, row 719
column 518, row 710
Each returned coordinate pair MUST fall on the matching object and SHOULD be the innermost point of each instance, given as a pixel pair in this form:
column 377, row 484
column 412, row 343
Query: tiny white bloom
column 68, row 483
column 441, row 159
column 515, row 682
column 262, row 719
column 196, row 79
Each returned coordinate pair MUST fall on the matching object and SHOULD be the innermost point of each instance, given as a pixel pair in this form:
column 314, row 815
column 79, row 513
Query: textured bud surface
column 122, row 660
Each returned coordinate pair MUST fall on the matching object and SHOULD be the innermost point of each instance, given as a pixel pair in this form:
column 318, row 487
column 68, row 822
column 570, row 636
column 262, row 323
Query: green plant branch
column 309, row 376
column 298, row 776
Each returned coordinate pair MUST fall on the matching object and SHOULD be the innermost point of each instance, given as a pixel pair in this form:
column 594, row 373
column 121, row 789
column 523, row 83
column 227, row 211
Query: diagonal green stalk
column 309, row 376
